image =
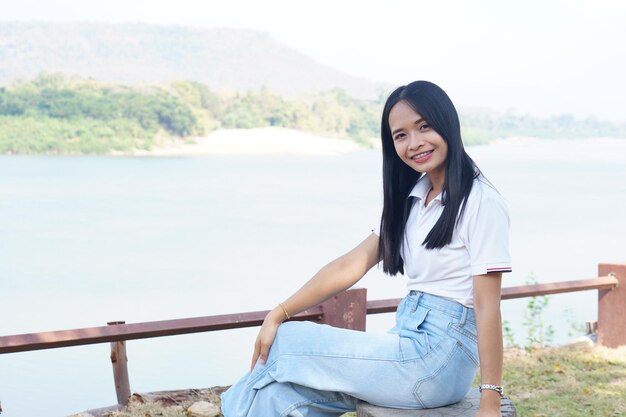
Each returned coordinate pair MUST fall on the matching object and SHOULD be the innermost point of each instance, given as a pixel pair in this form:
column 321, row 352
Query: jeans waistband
column 444, row 305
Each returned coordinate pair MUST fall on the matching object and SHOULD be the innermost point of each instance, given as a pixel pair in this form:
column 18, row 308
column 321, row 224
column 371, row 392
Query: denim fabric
column 428, row 359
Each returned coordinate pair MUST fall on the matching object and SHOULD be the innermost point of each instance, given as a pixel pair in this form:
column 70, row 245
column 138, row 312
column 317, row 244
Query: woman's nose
column 414, row 141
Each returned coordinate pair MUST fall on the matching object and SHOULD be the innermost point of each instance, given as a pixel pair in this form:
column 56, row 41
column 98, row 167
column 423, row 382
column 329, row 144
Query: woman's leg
column 316, row 370
column 335, row 365
column 284, row 399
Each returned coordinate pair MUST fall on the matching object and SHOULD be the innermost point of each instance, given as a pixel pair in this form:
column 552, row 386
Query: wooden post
column 612, row 308
column 346, row 310
column 120, row 368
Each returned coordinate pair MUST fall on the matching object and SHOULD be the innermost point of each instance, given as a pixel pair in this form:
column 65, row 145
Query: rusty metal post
column 347, row 310
column 612, row 308
column 119, row 361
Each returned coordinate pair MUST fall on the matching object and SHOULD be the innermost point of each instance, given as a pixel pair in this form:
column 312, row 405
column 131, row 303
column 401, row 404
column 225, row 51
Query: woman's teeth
column 421, row 155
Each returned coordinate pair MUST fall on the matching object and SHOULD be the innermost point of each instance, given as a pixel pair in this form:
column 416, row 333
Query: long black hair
column 434, row 105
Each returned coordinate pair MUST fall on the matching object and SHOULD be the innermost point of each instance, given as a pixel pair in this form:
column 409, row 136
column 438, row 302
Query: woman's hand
column 266, row 336
column 337, row 276
column 489, row 404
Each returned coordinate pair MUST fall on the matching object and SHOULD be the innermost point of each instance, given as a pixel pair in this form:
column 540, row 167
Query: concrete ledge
column 465, row 408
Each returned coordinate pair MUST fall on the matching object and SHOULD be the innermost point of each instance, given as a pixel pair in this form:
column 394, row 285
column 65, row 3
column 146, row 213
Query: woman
column 445, row 227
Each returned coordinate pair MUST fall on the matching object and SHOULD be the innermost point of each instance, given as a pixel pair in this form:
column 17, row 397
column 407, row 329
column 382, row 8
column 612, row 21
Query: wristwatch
column 492, row 387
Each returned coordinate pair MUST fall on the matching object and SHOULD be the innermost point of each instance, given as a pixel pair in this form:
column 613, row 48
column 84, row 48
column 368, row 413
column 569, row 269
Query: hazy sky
column 542, row 57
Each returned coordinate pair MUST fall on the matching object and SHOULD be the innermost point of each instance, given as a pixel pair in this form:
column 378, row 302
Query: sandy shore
column 281, row 141
column 257, row 141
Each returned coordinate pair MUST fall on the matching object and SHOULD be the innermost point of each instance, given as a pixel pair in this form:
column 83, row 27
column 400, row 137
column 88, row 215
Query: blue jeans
column 427, row 360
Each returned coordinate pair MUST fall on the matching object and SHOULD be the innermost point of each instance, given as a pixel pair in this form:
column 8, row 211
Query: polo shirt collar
column 422, row 187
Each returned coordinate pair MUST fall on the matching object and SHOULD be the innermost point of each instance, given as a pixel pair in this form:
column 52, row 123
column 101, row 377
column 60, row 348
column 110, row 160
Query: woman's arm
column 489, row 327
column 337, row 276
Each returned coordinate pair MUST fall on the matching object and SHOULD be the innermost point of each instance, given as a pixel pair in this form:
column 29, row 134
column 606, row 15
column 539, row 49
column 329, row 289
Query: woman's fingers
column 265, row 348
column 261, row 351
column 264, row 342
column 255, row 355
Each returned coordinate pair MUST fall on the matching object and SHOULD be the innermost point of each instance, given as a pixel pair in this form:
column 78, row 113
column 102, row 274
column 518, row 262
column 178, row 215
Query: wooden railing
column 347, row 310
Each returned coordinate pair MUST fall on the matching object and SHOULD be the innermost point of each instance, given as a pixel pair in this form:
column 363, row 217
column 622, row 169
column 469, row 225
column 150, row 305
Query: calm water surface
column 88, row 240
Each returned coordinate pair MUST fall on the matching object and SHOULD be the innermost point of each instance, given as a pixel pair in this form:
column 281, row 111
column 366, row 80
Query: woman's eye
column 399, row 136
column 424, row 126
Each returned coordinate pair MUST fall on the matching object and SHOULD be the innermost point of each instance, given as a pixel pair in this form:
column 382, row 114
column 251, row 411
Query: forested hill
column 234, row 59
column 57, row 114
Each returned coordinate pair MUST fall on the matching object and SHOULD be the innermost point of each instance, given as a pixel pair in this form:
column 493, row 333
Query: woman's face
column 417, row 144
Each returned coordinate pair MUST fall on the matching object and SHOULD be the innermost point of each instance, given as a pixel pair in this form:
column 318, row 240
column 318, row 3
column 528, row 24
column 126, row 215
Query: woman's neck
column 437, row 180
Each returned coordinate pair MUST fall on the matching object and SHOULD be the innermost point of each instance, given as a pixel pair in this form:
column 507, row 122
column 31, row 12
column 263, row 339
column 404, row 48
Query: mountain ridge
column 222, row 58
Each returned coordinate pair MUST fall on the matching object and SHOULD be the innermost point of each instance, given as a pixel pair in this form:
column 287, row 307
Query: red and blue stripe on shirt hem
column 501, row 269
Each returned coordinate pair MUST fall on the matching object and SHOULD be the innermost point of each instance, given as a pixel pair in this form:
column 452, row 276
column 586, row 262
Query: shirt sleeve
column 487, row 234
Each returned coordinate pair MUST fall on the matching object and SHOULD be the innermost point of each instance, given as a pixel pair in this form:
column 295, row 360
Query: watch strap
column 491, row 387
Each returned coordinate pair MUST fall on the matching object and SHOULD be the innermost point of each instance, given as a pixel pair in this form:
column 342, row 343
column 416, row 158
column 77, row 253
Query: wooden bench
column 465, row 408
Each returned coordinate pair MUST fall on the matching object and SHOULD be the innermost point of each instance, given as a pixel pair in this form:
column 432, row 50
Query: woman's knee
column 293, row 332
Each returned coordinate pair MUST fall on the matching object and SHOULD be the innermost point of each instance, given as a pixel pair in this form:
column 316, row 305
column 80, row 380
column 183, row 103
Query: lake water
column 86, row 240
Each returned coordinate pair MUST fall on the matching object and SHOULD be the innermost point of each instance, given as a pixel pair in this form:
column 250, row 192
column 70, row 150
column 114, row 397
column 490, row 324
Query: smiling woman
column 448, row 227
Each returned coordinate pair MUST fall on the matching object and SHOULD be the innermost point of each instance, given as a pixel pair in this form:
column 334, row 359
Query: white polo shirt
column 480, row 243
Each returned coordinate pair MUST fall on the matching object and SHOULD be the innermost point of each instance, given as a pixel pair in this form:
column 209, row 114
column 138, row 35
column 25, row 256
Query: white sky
column 541, row 57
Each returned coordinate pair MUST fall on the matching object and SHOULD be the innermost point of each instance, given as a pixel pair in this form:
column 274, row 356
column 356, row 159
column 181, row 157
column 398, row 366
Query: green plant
column 538, row 332
column 508, row 334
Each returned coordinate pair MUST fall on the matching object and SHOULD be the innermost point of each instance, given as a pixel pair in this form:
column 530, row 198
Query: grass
column 567, row 381
column 543, row 382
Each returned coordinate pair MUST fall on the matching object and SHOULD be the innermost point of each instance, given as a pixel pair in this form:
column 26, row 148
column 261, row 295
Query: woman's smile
column 422, row 157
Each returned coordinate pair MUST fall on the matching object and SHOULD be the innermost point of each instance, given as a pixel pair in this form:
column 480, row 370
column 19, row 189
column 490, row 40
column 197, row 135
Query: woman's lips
column 422, row 157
